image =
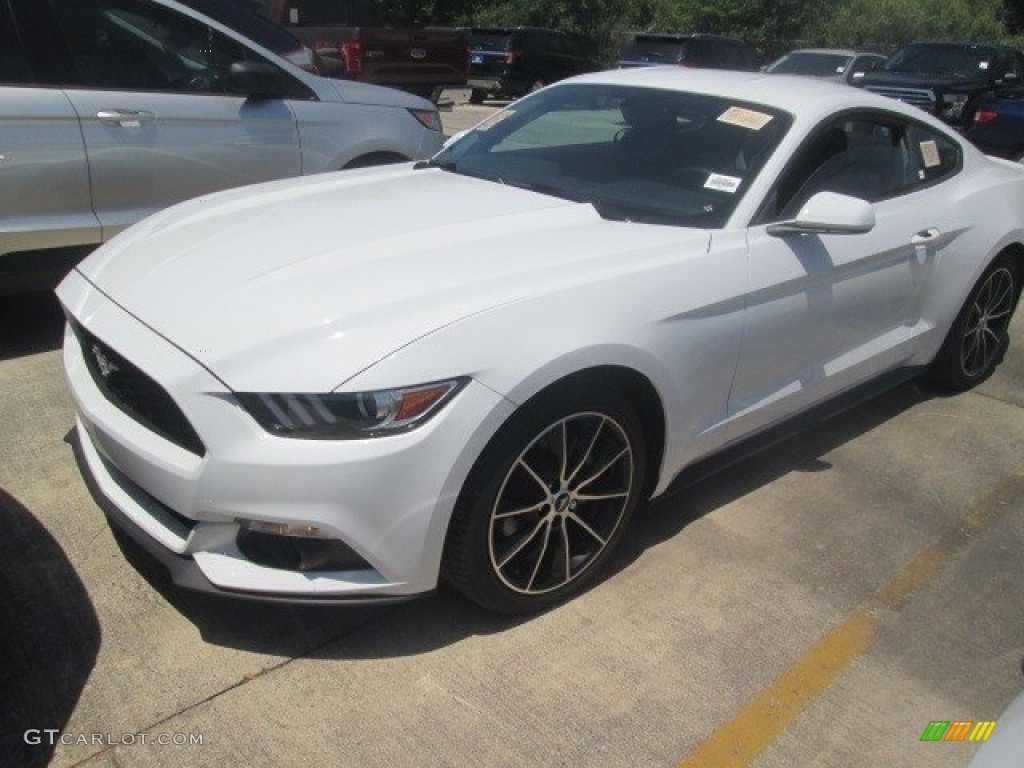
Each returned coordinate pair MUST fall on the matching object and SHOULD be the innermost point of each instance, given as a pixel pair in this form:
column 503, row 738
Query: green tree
column 890, row 23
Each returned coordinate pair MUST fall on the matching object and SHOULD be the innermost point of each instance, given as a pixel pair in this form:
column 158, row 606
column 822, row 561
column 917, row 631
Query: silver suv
column 113, row 109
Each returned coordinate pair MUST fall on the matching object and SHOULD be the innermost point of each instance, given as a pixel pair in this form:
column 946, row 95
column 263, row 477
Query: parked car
column 113, row 109
column 688, row 50
column 355, row 41
column 844, row 66
column 511, row 62
column 475, row 368
column 1006, row 744
column 948, row 80
column 998, row 128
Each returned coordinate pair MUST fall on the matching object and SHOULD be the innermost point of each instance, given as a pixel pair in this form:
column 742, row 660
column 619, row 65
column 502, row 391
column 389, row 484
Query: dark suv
column 689, row 50
column 949, row 80
column 513, row 62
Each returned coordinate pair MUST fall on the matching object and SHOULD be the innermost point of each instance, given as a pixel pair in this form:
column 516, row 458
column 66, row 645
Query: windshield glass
column 490, row 39
column 654, row 49
column 813, row 64
column 958, row 60
column 240, row 15
column 636, row 154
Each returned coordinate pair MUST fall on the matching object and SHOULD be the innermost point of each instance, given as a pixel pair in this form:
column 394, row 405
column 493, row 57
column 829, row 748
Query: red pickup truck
column 354, row 42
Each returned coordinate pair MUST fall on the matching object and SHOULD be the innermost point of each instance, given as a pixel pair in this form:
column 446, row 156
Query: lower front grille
column 135, row 393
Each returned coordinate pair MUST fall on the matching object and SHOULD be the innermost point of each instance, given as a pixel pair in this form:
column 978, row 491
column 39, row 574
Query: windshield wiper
column 544, row 189
column 614, row 211
column 448, row 165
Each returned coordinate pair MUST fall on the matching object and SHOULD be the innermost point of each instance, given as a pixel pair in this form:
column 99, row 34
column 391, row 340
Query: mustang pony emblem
column 106, row 366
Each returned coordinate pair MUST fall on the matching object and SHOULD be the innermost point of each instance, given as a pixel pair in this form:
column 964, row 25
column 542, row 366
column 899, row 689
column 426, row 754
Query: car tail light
column 513, row 56
column 983, row 116
column 428, row 118
column 352, row 55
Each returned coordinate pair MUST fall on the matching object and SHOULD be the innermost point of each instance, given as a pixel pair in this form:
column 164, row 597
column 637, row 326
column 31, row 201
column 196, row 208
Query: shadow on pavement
column 49, row 636
column 429, row 624
column 30, row 323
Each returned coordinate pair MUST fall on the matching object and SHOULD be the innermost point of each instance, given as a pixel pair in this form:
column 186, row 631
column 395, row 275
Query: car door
column 44, row 179
column 160, row 124
column 826, row 312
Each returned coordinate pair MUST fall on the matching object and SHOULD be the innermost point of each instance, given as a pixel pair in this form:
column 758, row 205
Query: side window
column 932, row 156
column 126, row 44
column 13, row 67
column 872, row 158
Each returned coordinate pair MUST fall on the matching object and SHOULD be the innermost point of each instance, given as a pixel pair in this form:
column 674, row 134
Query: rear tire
column 979, row 337
column 548, row 500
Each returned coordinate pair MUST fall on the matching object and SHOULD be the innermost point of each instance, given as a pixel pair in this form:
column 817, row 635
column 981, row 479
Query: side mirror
column 828, row 213
column 255, row 79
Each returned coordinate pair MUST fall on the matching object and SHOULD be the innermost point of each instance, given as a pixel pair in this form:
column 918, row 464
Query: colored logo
column 958, row 730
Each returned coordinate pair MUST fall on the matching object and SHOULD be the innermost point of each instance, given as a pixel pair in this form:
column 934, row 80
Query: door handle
column 925, row 236
column 128, row 118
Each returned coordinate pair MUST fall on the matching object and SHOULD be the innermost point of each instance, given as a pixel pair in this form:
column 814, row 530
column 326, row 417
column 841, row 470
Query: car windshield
column 635, row 154
column 957, row 60
column 490, row 40
column 813, row 64
column 241, row 16
column 653, row 48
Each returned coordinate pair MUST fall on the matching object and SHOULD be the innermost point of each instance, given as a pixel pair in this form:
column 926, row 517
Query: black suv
column 689, row 50
column 513, row 62
column 949, row 80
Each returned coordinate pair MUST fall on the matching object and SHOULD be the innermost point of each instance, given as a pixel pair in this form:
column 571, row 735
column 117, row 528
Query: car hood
column 300, row 285
column 944, row 83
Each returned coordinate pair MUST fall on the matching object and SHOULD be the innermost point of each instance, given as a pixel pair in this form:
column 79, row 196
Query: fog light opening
column 295, row 547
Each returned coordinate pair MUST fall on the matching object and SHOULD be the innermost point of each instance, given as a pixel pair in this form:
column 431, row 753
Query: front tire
column 979, row 337
column 548, row 500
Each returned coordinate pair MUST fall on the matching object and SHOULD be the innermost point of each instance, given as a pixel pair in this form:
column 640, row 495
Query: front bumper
column 183, row 571
column 387, row 499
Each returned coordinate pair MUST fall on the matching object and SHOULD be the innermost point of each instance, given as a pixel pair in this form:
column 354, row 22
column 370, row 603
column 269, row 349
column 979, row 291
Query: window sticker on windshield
column 930, row 154
column 745, row 118
column 721, row 183
column 494, row 119
column 983, row 65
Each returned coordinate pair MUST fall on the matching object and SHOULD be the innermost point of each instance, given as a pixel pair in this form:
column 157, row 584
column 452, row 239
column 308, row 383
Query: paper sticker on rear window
column 746, row 118
column 930, row 154
column 722, row 183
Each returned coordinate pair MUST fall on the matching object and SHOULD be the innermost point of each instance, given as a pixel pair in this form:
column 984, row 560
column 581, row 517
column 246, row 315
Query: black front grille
column 923, row 98
column 137, row 394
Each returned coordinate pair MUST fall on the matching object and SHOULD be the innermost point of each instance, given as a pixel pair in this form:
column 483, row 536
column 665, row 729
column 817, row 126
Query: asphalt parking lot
column 816, row 605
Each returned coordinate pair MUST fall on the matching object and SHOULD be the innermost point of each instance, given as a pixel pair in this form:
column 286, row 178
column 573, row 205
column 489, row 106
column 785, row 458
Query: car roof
column 832, row 51
column 680, row 37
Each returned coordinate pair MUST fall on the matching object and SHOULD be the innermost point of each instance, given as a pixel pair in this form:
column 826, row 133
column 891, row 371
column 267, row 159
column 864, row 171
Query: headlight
column 349, row 416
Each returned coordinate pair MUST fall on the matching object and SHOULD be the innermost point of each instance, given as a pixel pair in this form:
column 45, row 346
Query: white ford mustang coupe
column 346, row 387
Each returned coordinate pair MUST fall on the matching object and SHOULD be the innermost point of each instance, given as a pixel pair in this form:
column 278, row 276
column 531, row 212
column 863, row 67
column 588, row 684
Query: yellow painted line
column 757, row 724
